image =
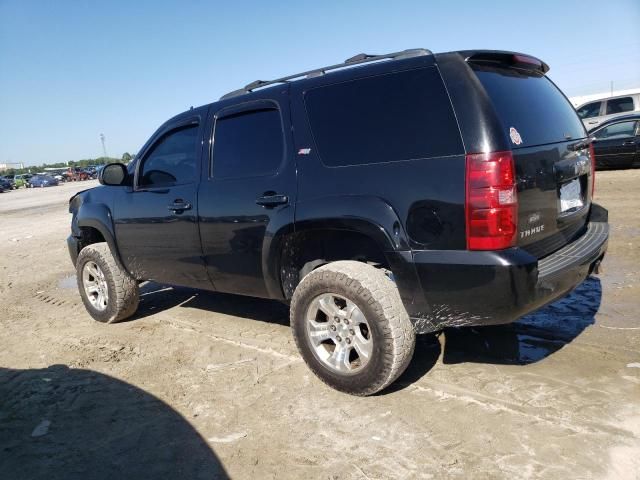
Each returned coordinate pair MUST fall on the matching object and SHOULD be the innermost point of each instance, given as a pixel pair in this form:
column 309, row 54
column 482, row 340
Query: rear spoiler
column 508, row 59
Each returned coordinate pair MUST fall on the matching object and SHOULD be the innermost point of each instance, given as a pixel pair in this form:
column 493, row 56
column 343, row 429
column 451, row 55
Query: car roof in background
column 634, row 94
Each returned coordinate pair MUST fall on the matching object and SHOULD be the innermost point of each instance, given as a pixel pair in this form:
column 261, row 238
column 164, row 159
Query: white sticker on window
column 515, row 136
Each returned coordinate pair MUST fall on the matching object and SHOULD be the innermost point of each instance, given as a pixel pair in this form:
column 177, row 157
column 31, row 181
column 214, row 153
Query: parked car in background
column 74, row 174
column 91, row 171
column 6, row 183
column 43, row 181
column 596, row 112
column 21, row 180
column 616, row 142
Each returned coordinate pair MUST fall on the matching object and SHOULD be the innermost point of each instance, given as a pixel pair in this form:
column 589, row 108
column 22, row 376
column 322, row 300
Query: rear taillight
column 592, row 154
column 491, row 201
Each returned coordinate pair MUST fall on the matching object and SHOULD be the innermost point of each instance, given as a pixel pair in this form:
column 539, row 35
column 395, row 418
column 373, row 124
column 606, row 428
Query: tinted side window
column 387, row 118
column 620, row 105
column 589, row 110
column 248, row 144
column 172, row 161
column 617, row 130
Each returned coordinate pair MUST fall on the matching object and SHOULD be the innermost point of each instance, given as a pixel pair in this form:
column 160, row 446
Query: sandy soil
column 202, row 385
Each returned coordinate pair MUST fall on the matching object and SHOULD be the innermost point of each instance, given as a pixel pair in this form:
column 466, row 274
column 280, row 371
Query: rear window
column 386, row 118
column 531, row 104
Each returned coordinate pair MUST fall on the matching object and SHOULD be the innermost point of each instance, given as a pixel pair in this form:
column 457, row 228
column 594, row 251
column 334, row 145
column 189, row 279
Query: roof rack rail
column 349, row 62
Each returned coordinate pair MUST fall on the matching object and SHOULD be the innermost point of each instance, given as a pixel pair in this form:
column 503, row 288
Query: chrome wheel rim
column 339, row 334
column 95, row 285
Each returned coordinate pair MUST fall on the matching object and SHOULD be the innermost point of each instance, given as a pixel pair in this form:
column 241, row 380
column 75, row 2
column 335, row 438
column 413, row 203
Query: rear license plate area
column 571, row 196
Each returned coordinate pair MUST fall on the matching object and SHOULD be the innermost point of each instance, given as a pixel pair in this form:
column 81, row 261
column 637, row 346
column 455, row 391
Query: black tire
column 123, row 293
column 378, row 299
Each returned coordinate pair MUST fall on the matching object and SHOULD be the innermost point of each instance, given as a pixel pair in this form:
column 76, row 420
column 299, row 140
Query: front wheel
column 108, row 292
column 351, row 327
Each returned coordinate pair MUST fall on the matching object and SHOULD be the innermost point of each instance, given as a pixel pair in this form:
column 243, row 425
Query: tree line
column 126, row 158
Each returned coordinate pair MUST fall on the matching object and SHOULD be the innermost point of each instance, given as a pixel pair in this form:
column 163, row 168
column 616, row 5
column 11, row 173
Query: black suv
column 382, row 197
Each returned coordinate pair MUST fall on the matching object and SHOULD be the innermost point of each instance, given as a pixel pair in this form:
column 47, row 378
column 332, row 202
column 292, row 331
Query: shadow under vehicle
column 529, row 340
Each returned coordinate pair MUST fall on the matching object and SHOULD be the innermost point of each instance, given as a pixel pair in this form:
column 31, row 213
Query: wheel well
column 88, row 236
column 303, row 252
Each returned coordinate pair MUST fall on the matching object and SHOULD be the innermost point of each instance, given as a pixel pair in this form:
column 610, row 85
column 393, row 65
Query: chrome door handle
column 178, row 206
column 270, row 201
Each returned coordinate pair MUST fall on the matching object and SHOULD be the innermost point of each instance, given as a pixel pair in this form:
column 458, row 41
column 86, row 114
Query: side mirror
column 113, row 174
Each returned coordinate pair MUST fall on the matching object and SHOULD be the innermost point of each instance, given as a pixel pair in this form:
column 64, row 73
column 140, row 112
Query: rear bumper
column 463, row 288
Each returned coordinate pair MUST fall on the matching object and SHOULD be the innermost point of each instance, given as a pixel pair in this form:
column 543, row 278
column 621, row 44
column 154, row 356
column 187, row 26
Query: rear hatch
column 551, row 155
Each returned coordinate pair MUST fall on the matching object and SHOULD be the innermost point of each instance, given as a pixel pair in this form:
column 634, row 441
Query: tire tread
column 372, row 286
column 126, row 287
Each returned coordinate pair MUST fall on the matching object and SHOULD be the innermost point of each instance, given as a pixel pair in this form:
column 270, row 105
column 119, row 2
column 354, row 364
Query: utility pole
column 104, row 147
column 611, row 88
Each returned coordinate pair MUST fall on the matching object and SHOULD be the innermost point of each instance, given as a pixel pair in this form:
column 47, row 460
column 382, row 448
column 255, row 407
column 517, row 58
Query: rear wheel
column 351, row 327
column 108, row 292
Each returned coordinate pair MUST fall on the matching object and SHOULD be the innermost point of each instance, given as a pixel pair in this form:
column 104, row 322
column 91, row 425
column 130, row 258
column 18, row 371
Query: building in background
column 7, row 166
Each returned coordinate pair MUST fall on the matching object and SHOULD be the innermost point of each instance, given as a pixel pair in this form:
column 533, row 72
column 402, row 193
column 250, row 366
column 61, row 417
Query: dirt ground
column 202, row 385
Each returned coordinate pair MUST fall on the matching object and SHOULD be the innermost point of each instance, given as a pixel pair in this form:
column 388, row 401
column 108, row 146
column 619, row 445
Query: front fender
column 98, row 216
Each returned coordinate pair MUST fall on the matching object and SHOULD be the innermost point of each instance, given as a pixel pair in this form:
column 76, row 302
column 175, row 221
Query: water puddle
column 533, row 337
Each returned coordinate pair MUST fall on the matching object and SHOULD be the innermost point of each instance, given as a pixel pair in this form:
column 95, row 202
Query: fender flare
column 365, row 214
column 98, row 216
column 368, row 215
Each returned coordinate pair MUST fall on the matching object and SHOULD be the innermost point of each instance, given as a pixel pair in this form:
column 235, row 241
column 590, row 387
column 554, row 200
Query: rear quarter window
column 387, row 118
column 532, row 104
column 619, row 105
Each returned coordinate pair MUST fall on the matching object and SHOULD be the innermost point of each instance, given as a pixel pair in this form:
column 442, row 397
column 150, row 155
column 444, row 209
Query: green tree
column 85, row 162
column 126, row 157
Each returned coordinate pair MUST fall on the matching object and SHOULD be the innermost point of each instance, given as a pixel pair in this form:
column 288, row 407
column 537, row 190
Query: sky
column 71, row 70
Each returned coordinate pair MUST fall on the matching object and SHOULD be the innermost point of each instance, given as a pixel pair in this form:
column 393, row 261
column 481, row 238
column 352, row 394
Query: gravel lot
column 202, row 385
